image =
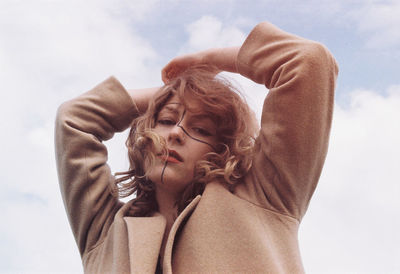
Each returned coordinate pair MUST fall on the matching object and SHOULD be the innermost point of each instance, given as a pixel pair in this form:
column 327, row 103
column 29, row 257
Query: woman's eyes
column 202, row 131
column 166, row 122
column 195, row 129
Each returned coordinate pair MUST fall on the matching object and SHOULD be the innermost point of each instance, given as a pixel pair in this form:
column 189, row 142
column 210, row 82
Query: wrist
column 142, row 97
column 222, row 58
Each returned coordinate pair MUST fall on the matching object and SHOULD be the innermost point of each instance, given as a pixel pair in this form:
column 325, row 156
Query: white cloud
column 380, row 21
column 137, row 10
column 50, row 52
column 37, row 238
column 352, row 225
column 55, row 42
column 209, row 32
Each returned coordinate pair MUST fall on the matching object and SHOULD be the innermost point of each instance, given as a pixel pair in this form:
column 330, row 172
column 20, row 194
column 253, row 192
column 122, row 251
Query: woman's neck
column 167, row 205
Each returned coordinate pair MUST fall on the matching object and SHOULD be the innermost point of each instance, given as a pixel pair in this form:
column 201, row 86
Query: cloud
column 208, row 32
column 352, row 219
column 51, row 43
column 380, row 21
column 52, row 51
column 137, row 10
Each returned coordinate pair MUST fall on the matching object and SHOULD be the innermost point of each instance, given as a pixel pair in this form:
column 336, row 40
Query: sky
column 52, row 51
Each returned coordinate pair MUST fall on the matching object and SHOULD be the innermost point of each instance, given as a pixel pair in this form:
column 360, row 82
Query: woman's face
column 189, row 136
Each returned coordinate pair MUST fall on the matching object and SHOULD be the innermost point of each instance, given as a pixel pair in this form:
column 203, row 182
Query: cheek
column 157, row 131
column 199, row 151
column 154, row 171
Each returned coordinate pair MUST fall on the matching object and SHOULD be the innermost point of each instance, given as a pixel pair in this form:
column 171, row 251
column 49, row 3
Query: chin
column 171, row 180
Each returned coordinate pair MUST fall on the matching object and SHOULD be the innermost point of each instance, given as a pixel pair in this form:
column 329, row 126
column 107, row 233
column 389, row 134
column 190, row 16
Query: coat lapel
column 145, row 235
column 167, row 262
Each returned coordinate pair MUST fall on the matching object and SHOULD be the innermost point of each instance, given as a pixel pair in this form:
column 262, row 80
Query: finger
column 164, row 76
column 164, row 72
column 167, row 73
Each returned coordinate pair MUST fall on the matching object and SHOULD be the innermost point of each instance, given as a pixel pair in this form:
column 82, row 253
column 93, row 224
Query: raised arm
column 296, row 119
column 291, row 148
column 82, row 124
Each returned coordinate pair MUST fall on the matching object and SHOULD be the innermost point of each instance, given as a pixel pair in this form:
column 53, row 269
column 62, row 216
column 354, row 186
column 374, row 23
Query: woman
column 210, row 198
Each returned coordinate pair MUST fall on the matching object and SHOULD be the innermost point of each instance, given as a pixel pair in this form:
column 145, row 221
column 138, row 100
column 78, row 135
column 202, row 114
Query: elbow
column 317, row 68
column 310, row 66
column 62, row 115
column 319, row 59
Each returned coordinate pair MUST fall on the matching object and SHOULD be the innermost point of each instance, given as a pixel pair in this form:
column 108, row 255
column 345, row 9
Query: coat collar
column 167, row 262
column 145, row 235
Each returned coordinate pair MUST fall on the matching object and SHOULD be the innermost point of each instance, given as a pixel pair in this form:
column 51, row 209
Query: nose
column 176, row 135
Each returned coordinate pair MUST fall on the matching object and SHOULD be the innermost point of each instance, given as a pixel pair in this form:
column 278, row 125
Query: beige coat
column 252, row 230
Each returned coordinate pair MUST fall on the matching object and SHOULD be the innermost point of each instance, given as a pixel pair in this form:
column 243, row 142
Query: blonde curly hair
column 231, row 160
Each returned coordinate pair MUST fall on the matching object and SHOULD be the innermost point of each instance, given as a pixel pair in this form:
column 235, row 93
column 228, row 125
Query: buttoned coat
column 250, row 230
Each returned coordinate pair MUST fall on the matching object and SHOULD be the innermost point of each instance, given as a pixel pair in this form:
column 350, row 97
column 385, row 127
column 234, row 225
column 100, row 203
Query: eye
column 166, row 122
column 202, row 131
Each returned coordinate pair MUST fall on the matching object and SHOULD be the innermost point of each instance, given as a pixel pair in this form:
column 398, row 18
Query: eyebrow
column 170, row 108
column 204, row 118
column 195, row 117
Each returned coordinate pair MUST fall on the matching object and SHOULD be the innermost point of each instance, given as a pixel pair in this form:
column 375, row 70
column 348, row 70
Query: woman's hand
column 179, row 64
column 218, row 59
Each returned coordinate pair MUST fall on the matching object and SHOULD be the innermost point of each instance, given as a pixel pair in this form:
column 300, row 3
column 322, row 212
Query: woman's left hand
column 179, row 64
column 218, row 59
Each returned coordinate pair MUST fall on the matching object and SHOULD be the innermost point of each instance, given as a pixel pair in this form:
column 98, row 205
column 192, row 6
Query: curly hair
column 231, row 160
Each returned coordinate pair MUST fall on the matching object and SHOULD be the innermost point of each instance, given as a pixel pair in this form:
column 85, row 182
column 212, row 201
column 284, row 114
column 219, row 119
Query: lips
column 174, row 154
column 172, row 157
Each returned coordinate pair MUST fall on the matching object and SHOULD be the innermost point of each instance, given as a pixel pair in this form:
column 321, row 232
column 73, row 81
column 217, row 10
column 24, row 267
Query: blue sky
column 51, row 51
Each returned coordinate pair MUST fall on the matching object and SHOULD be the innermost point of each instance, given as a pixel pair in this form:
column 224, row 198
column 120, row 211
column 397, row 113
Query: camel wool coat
column 250, row 230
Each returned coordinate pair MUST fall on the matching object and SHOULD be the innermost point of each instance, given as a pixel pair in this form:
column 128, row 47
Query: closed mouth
column 174, row 154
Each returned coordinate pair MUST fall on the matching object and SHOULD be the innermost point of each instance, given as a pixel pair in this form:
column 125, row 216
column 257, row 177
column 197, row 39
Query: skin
column 172, row 174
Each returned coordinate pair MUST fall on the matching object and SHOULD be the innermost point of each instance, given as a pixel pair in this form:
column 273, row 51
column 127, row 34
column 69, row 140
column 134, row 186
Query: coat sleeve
column 85, row 178
column 291, row 148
